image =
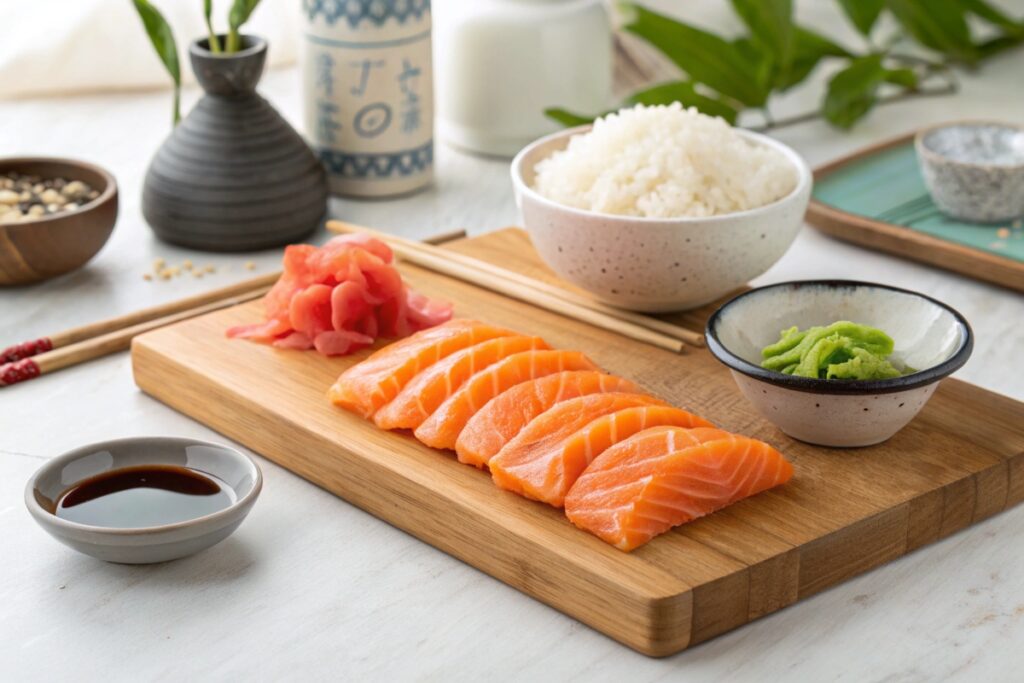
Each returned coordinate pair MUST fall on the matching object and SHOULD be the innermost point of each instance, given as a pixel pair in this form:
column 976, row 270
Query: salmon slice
column 442, row 429
column 547, row 473
column 428, row 390
column 368, row 385
column 666, row 476
column 499, row 421
column 524, row 460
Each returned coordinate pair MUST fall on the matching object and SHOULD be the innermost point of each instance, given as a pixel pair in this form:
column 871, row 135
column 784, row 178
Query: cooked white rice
column 664, row 162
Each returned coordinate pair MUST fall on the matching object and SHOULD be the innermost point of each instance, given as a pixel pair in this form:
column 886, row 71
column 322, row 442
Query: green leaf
column 210, row 33
column 760, row 62
column 771, row 26
column 568, row 118
column 705, row 57
column 809, row 49
column 905, row 77
column 854, row 91
column 938, row 24
column 684, row 93
column 162, row 38
column 992, row 47
column 863, row 13
column 240, row 12
column 994, row 16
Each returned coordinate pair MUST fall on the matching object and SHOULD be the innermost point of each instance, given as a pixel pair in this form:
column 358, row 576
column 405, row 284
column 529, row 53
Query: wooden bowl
column 53, row 245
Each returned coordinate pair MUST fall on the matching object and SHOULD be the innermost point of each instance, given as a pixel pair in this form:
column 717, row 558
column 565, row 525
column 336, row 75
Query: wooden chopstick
column 111, row 342
column 110, row 336
column 440, row 261
column 103, row 327
column 666, row 328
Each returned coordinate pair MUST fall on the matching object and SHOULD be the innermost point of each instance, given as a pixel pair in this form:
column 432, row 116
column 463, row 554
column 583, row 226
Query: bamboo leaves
column 162, row 37
column 725, row 76
column 705, row 57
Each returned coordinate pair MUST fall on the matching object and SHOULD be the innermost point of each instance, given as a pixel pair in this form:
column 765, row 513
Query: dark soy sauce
column 148, row 495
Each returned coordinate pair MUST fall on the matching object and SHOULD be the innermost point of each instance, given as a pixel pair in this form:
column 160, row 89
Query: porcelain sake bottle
column 368, row 93
column 234, row 175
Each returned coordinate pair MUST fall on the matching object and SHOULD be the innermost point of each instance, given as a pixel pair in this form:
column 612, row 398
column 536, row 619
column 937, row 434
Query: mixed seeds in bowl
column 29, row 197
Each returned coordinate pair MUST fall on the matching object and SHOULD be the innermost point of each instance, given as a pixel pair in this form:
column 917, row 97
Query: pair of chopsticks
column 31, row 359
column 515, row 285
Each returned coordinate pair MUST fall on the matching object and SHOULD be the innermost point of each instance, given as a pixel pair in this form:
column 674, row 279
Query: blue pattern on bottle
column 355, row 12
column 385, row 165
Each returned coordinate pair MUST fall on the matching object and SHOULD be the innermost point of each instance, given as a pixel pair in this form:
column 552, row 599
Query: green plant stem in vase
column 162, row 37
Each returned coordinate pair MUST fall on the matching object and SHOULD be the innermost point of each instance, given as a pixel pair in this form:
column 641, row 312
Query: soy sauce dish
column 144, row 500
column 930, row 337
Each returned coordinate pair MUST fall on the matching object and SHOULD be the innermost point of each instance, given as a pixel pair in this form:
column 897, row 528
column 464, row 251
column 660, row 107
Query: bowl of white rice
column 660, row 208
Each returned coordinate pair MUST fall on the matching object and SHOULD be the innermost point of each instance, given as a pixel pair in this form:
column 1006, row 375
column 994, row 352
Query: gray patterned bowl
column 657, row 264
column 974, row 170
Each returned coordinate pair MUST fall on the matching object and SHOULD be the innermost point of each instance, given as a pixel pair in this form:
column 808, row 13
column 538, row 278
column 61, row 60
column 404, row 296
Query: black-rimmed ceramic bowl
column 239, row 477
column 929, row 336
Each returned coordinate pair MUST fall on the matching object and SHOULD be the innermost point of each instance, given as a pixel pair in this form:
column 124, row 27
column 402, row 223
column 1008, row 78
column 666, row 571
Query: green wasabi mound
column 842, row 350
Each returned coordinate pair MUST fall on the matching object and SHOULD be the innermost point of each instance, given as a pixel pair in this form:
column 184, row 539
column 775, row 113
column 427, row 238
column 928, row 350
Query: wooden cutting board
column 844, row 512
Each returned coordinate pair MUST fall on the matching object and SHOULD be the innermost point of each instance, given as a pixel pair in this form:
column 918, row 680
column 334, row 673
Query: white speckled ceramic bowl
column 974, row 170
column 144, row 545
column 928, row 335
column 657, row 264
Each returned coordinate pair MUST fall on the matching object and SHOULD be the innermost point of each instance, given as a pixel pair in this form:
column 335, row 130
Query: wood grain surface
column 844, row 512
column 906, row 242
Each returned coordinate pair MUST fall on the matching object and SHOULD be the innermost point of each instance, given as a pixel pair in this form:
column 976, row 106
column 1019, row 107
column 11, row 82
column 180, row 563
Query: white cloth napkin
column 51, row 47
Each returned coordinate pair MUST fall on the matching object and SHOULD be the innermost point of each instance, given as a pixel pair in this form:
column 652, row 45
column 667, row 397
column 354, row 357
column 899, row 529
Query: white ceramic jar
column 500, row 63
column 368, row 90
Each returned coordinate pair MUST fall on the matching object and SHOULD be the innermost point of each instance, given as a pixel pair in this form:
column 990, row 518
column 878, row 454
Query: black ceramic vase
column 234, row 175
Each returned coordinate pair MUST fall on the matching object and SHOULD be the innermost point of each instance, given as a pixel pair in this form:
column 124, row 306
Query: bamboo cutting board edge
column 683, row 588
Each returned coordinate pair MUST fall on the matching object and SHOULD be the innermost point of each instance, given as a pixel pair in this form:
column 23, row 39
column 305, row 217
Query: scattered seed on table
column 158, row 263
column 209, row 269
column 1003, row 233
column 186, row 264
column 147, row 277
column 249, row 265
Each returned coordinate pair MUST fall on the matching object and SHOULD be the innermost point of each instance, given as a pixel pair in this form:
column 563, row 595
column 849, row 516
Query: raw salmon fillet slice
column 539, row 442
column 499, row 421
column 368, row 385
column 428, row 390
column 442, row 429
column 666, row 476
column 547, row 473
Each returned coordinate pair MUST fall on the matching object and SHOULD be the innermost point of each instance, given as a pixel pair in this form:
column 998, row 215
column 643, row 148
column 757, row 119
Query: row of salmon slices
column 551, row 426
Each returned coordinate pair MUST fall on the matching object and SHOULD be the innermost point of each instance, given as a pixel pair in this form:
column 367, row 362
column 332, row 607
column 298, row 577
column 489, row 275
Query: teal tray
column 877, row 198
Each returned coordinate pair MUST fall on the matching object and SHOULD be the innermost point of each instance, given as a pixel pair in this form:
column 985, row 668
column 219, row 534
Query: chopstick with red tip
column 76, row 335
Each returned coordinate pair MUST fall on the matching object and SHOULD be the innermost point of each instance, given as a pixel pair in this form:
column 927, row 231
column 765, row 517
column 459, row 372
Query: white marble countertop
column 310, row 586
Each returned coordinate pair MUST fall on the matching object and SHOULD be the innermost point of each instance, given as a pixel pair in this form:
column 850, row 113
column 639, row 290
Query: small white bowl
column 144, row 545
column 929, row 336
column 657, row 264
column 974, row 170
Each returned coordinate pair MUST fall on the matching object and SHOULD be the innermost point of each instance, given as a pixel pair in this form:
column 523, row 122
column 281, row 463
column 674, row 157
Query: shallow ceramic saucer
column 929, row 336
column 144, row 545
column 974, row 170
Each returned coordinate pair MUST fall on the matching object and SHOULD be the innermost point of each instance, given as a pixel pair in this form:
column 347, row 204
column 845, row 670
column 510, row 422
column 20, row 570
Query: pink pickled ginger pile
column 339, row 298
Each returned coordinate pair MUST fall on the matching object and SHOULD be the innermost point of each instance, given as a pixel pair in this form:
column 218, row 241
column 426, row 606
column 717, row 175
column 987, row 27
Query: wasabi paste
column 842, row 350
